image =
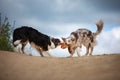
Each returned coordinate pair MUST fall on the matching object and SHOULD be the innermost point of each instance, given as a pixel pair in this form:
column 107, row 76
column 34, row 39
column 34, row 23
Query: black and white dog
column 40, row 41
column 82, row 37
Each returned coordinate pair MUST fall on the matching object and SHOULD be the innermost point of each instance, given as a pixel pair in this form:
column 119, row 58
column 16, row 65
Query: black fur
column 25, row 33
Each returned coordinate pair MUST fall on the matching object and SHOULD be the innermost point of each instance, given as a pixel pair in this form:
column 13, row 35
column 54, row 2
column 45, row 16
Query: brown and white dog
column 82, row 37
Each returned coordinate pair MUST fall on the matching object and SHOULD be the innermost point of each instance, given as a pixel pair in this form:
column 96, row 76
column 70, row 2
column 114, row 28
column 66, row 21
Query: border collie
column 40, row 41
column 82, row 37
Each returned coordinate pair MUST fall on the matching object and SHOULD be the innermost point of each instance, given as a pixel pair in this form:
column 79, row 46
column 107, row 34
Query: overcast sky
column 58, row 18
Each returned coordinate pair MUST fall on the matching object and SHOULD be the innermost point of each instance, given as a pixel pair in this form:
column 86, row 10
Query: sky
column 58, row 18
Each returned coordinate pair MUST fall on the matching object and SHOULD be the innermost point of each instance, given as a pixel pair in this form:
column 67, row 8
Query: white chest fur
column 52, row 46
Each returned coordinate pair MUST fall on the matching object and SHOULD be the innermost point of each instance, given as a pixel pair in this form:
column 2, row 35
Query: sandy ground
column 15, row 66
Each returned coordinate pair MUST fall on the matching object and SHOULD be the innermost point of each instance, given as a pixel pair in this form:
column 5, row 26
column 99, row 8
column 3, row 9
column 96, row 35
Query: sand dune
column 15, row 66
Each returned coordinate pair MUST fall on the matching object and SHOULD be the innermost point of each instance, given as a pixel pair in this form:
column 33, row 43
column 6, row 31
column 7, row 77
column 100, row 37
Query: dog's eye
column 72, row 39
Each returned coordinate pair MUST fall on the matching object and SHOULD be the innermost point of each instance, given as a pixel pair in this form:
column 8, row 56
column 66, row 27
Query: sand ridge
column 14, row 66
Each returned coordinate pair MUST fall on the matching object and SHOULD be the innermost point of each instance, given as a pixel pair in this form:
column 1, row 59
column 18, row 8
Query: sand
column 14, row 66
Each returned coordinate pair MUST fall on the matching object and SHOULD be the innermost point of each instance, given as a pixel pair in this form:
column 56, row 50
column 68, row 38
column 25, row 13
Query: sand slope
column 15, row 66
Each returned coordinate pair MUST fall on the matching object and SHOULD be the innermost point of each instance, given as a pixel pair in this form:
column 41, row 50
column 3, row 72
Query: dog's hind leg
column 87, row 50
column 91, row 50
column 23, row 45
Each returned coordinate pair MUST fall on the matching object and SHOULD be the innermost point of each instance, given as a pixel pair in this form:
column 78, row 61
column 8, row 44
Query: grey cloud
column 106, row 5
column 61, row 11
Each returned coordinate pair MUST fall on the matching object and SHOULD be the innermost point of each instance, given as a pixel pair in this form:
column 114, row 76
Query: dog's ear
column 63, row 39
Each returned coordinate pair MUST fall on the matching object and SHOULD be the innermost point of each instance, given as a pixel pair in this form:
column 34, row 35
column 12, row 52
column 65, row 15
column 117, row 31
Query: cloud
column 61, row 11
column 105, row 5
column 109, row 42
column 51, row 10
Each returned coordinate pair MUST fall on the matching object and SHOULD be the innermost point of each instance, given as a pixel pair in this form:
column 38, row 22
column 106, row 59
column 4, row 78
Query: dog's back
column 83, row 37
column 25, row 33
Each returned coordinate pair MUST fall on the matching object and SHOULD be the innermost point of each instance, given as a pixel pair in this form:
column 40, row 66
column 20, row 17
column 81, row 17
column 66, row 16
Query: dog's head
column 68, row 41
column 56, row 41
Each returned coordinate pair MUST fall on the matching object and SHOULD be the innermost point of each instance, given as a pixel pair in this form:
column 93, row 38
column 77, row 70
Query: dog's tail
column 99, row 25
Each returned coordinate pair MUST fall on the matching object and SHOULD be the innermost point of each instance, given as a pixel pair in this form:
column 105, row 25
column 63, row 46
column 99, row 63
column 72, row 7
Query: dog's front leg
column 71, row 50
column 40, row 51
column 78, row 51
column 49, row 54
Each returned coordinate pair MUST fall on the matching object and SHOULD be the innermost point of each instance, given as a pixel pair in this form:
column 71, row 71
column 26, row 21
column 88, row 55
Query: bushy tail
column 99, row 25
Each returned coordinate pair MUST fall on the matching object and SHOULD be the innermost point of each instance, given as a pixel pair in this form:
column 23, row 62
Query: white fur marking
column 18, row 48
column 52, row 46
column 17, row 42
